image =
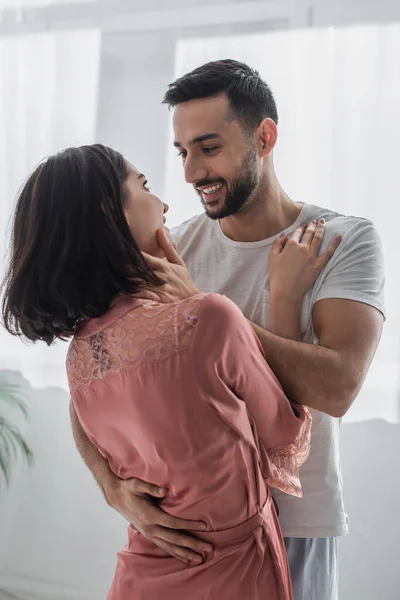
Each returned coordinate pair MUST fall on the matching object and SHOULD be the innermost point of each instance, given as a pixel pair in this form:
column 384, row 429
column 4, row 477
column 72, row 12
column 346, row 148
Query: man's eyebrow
column 142, row 176
column 200, row 138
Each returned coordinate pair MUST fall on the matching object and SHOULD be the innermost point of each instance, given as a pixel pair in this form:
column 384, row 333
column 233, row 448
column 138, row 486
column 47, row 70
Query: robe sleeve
column 230, row 350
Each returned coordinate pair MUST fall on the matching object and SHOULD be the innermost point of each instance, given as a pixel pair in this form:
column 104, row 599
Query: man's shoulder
column 189, row 227
column 340, row 223
column 192, row 235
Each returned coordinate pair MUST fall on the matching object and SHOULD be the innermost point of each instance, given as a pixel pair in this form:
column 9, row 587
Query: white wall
column 135, row 71
column 369, row 563
column 58, row 536
column 128, row 15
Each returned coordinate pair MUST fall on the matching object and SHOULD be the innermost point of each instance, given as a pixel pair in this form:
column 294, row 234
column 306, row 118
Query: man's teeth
column 212, row 189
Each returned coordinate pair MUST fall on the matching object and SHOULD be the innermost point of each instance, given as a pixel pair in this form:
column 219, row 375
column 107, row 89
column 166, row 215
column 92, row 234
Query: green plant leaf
column 4, row 443
column 24, row 449
column 15, row 396
column 5, row 454
column 12, row 443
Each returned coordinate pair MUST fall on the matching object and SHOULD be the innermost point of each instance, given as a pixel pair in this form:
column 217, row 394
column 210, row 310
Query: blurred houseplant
column 12, row 442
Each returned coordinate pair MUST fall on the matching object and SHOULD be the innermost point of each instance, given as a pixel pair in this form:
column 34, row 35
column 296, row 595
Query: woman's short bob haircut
column 72, row 251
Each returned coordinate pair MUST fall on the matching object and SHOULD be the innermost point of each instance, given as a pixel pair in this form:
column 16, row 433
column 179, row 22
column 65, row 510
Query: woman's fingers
column 156, row 264
column 279, row 244
column 330, row 251
column 168, row 247
column 309, row 233
column 148, row 295
column 298, row 233
column 318, row 236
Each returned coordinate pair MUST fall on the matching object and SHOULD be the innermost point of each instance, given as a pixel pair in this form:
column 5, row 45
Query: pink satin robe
column 180, row 395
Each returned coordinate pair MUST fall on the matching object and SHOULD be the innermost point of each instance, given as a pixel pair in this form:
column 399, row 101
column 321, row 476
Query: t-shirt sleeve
column 233, row 354
column 356, row 271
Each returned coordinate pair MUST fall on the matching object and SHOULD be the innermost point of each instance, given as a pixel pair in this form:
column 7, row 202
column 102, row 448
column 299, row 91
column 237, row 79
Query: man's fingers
column 142, row 487
column 167, row 246
column 183, row 554
column 183, row 540
column 172, row 550
column 170, row 522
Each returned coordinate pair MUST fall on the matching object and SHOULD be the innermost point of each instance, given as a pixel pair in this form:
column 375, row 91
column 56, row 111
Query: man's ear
column 266, row 137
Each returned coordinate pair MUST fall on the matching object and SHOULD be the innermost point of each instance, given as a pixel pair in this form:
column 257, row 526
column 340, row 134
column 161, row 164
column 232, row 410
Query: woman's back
column 136, row 393
column 153, row 386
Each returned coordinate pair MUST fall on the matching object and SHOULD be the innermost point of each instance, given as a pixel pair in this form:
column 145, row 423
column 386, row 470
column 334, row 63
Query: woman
column 175, row 393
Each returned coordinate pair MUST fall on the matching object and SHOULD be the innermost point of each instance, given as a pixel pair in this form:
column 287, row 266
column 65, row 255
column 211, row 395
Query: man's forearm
column 310, row 374
column 96, row 463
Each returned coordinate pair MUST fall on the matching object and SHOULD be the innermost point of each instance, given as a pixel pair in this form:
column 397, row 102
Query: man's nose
column 194, row 170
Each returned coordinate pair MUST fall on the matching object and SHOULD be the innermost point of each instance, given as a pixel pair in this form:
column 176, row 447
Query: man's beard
column 240, row 189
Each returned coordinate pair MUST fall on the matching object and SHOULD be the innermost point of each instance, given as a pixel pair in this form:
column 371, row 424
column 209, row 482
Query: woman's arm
column 294, row 264
column 227, row 346
column 327, row 376
column 284, row 317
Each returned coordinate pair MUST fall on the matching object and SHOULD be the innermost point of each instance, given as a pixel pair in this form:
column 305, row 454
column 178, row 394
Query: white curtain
column 48, row 101
column 338, row 97
column 50, row 517
column 18, row 4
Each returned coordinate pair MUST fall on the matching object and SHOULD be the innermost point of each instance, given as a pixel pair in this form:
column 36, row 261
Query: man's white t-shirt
column 240, row 271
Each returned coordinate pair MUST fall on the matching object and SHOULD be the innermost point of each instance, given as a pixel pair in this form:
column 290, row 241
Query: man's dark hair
column 250, row 98
column 72, row 251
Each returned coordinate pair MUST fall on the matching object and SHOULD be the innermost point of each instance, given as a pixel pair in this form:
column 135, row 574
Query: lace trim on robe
column 149, row 333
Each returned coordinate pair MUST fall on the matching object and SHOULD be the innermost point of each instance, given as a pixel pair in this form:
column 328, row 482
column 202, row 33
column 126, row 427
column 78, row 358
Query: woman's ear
column 267, row 135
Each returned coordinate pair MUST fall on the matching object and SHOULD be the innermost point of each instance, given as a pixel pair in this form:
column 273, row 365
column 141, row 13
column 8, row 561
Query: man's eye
column 182, row 154
column 146, row 186
column 210, row 150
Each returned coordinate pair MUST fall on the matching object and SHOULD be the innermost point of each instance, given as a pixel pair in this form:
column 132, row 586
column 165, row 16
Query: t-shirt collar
column 302, row 217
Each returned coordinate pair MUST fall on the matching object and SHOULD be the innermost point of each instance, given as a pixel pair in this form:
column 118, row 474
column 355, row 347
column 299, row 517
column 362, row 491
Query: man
column 225, row 124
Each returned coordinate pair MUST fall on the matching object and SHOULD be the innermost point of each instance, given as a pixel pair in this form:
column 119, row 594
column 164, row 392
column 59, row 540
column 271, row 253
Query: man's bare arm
column 327, row 376
column 93, row 459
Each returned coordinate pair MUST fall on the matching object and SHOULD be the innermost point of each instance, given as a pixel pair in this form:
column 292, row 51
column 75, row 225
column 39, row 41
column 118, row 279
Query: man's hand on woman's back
column 136, row 500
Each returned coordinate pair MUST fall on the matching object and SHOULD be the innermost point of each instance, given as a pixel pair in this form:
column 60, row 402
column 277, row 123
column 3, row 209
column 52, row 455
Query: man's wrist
column 111, row 487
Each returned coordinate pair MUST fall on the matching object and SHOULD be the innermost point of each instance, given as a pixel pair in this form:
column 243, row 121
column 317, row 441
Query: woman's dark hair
column 72, row 251
column 250, row 98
